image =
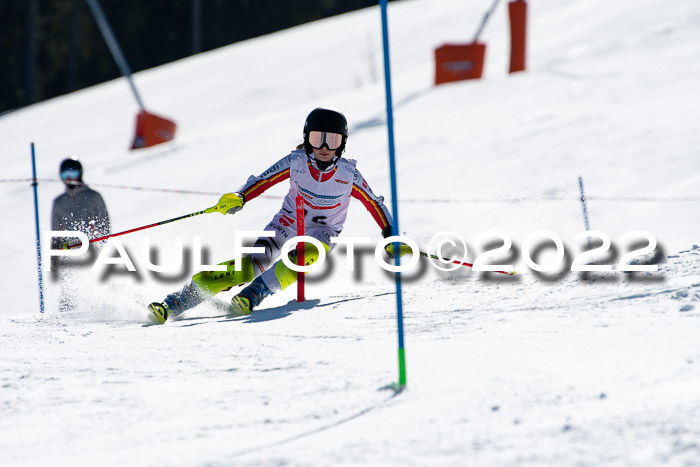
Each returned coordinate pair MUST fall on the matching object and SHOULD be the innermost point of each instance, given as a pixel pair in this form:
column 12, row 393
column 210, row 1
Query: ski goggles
column 72, row 174
column 318, row 138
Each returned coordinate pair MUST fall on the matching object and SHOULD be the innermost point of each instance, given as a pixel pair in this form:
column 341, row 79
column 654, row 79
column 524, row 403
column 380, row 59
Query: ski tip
column 158, row 313
column 240, row 305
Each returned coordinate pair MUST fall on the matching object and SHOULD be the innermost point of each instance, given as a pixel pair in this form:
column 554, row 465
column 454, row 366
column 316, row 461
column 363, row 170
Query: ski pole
column 186, row 216
column 469, row 265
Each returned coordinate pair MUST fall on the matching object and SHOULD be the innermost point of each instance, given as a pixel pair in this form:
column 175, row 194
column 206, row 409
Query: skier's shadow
column 269, row 314
column 259, row 316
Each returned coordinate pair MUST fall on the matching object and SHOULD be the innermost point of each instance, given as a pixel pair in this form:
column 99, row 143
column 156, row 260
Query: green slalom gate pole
column 394, row 196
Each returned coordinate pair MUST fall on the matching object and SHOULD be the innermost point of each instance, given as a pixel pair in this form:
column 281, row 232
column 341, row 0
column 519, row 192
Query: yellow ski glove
column 402, row 250
column 230, row 203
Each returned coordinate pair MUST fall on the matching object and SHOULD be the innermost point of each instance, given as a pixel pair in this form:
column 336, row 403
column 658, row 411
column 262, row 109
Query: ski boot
column 158, row 312
column 250, row 297
column 177, row 303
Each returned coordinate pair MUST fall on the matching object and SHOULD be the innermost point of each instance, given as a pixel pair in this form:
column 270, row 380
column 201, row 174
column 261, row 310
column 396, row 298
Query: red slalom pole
column 301, row 260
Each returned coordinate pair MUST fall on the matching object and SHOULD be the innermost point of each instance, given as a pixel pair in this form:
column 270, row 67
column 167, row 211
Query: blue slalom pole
column 585, row 209
column 394, row 195
column 583, row 203
column 38, row 238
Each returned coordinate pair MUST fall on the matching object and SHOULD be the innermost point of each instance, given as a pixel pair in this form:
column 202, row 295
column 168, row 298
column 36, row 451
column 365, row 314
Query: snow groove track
column 320, row 429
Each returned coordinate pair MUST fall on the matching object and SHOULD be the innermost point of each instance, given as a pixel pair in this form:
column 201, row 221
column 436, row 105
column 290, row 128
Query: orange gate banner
column 455, row 62
column 152, row 129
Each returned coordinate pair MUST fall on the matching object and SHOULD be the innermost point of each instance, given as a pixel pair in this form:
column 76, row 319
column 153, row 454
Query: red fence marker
column 517, row 13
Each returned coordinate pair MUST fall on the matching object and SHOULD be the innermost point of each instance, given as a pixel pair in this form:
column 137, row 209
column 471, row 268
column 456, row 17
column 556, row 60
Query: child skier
column 325, row 180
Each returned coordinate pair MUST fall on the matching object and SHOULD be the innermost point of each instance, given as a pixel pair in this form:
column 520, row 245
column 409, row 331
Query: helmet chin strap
column 323, row 166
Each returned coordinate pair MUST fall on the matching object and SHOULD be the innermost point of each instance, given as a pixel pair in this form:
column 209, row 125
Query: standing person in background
column 78, row 208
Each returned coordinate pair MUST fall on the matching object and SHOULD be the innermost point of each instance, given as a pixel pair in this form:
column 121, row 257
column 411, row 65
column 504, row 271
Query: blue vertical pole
column 38, row 238
column 583, row 203
column 394, row 195
column 585, row 209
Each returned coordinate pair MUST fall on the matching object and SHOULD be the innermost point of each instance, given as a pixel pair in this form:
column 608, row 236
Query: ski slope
column 533, row 369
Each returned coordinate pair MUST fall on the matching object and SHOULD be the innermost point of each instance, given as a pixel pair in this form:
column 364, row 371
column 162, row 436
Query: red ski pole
column 186, row 216
column 512, row 273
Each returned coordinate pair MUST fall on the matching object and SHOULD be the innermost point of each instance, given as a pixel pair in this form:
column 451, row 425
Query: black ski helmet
column 328, row 120
column 72, row 163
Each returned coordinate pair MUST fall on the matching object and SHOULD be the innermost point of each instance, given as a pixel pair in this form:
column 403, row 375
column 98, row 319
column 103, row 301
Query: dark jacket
column 80, row 208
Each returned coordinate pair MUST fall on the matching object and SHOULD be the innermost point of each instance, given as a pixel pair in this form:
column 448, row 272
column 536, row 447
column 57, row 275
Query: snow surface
column 533, row 369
